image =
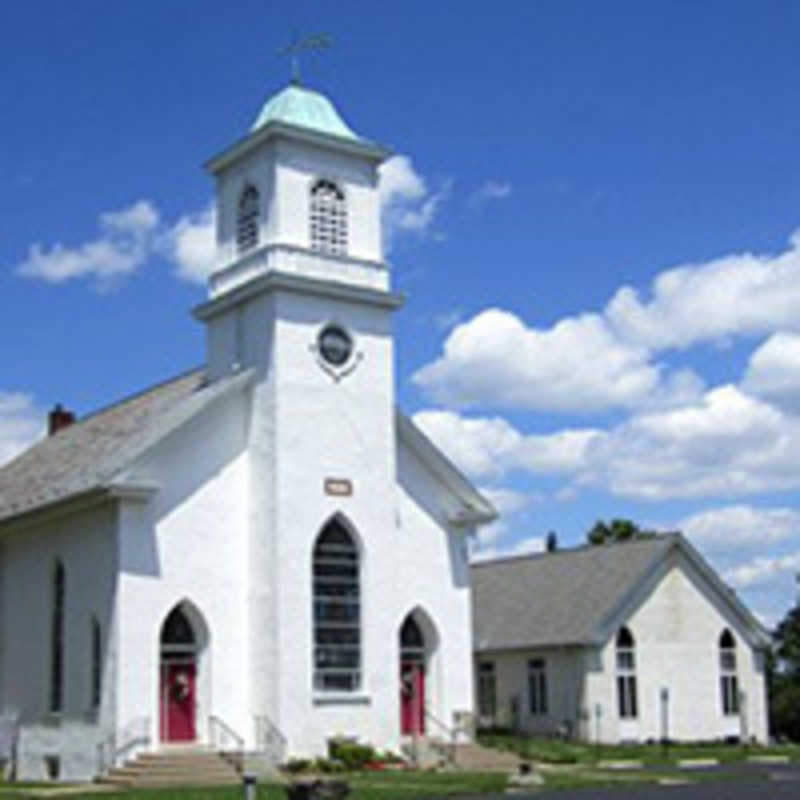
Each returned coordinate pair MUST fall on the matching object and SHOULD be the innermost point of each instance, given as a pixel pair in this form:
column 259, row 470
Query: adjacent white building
column 633, row 641
column 265, row 550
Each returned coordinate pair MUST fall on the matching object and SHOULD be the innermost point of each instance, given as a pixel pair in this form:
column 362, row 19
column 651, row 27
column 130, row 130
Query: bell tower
column 301, row 297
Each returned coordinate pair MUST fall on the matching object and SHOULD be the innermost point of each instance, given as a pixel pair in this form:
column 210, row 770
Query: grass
column 555, row 751
column 401, row 785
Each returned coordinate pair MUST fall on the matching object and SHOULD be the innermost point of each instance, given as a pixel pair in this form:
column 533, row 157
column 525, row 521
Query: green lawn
column 554, row 751
column 364, row 786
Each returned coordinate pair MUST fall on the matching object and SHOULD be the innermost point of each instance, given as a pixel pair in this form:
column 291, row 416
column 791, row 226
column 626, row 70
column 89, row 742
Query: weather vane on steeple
column 316, row 41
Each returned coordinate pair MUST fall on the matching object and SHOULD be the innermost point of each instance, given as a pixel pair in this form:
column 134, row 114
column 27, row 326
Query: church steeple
column 299, row 194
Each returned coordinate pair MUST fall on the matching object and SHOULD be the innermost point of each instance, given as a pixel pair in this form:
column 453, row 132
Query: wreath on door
column 181, row 687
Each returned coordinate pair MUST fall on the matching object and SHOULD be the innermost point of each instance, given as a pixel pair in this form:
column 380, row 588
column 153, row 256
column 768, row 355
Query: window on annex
column 247, row 217
column 328, row 218
column 728, row 681
column 487, row 689
column 626, row 674
column 537, row 686
column 337, row 611
column 57, row 639
column 97, row 664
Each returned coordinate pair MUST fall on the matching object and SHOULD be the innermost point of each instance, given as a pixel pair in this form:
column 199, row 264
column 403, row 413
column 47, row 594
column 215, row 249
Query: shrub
column 295, row 765
column 353, row 755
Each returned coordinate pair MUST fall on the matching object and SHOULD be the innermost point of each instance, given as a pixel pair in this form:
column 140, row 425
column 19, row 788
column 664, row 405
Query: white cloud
column 505, row 500
column 407, row 204
column 763, row 569
column 491, row 446
column 491, row 190
column 773, row 371
column 128, row 239
column 21, row 423
column 740, row 294
column 526, row 546
column 191, row 245
column 123, row 246
column 577, row 365
column 597, row 361
column 726, row 444
column 737, row 527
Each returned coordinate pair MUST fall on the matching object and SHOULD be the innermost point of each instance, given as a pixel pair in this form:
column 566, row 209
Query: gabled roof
column 91, row 452
column 570, row 597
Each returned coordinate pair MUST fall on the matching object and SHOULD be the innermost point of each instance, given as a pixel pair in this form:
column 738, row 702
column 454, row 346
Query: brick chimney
column 58, row 419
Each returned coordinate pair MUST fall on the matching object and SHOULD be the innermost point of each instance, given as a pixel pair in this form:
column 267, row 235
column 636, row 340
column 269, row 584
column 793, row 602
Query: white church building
column 629, row 642
column 264, row 550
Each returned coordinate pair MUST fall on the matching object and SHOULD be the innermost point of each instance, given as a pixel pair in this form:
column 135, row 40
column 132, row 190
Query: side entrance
column 178, row 679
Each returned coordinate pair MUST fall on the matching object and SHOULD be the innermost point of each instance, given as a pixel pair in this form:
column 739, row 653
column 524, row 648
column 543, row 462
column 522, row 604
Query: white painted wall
column 84, row 541
column 564, row 690
column 676, row 622
column 189, row 543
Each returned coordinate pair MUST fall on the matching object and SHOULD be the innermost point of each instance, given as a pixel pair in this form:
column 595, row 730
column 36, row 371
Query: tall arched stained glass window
column 247, row 218
column 337, row 611
column 728, row 680
column 57, row 639
column 328, row 218
column 626, row 674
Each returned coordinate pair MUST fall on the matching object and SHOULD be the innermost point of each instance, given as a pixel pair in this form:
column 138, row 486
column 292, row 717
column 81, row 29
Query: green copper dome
column 304, row 108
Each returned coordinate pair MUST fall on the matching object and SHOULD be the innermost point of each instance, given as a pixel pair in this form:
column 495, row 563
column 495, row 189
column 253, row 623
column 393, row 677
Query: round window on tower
column 335, row 345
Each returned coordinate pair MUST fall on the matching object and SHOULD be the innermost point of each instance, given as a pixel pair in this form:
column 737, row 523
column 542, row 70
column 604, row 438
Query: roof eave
column 274, row 130
column 475, row 508
column 760, row 636
column 519, row 648
column 59, row 507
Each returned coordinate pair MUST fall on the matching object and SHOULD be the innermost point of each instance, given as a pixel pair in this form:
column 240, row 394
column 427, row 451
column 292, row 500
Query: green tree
column 618, row 530
column 784, row 677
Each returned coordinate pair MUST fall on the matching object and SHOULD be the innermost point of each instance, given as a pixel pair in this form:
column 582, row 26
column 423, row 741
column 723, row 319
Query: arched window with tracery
column 337, row 610
column 328, row 218
column 728, row 681
column 57, row 639
column 247, row 218
column 626, row 674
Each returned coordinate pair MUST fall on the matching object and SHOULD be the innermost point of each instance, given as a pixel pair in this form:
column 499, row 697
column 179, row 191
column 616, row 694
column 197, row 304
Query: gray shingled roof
column 91, row 452
column 557, row 598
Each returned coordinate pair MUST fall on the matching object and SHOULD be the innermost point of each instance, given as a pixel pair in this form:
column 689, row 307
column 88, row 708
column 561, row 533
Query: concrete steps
column 187, row 767
column 477, row 758
column 432, row 752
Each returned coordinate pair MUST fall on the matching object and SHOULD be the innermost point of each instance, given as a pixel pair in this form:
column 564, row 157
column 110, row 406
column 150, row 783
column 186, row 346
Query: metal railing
column 269, row 739
column 223, row 738
column 451, row 735
column 120, row 745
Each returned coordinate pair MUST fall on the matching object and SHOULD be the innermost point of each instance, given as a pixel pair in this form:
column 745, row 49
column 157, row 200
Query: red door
column 178, row 702
column 412, row 698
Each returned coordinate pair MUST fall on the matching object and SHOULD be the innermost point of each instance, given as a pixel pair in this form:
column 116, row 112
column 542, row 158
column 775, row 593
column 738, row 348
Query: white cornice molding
column 287, row 282
column 281, row 130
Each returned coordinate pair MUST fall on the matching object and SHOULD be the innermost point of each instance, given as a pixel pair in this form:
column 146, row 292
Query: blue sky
column 593, row 210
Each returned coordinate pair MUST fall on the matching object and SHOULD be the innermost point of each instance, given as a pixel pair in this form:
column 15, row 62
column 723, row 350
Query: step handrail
column 452, row 734
column 220, row 736
column 135, row 734
column 269, row 739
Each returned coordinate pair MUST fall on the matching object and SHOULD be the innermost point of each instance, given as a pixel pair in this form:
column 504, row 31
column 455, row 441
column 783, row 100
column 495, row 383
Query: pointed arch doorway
column 181, row 642
column 417, row 642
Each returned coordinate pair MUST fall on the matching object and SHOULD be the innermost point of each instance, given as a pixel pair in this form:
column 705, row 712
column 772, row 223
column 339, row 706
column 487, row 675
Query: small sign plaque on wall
column 338, row 487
